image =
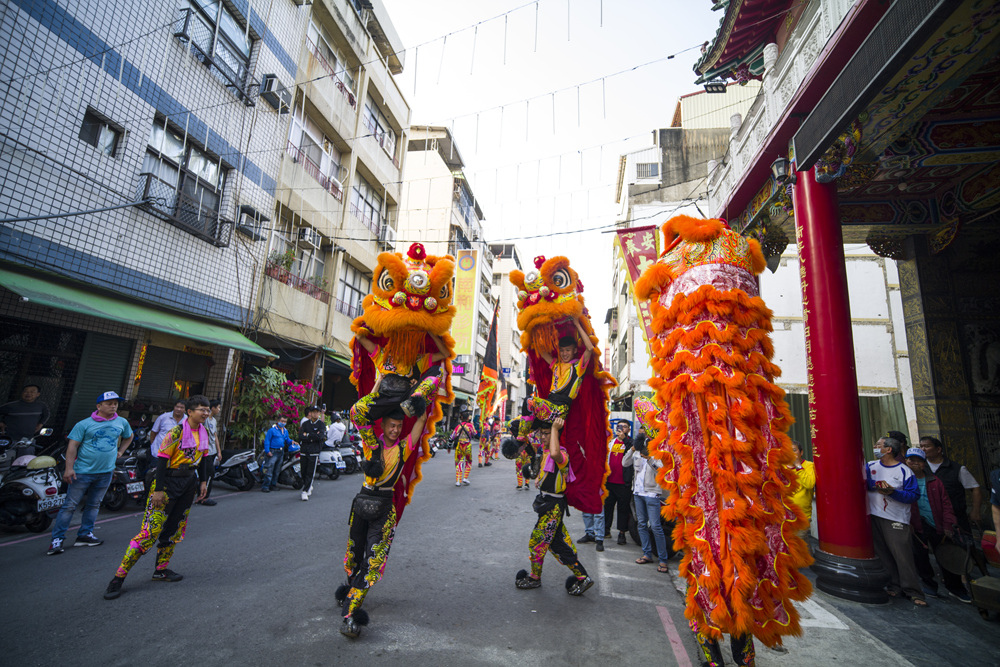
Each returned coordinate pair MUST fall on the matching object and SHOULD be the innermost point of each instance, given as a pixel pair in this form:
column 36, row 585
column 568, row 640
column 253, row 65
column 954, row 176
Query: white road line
column 820, row 618
column 626, row 577
column 635, row 598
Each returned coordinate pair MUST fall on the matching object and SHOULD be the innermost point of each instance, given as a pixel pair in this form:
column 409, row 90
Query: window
column 320, row 46
column 185, row 181
column 378, row 125
column 100, row 133
column 310, row 265
column 366, row 205
column 354, row 286
column 316, row 152
column 219, row 40
column 647, row 170
column 484, row 327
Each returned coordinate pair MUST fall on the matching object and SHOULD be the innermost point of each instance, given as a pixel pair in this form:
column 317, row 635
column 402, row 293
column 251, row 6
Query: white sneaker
column 458, row 484
column 309, row 492
column 305, row 496
column 465, row 481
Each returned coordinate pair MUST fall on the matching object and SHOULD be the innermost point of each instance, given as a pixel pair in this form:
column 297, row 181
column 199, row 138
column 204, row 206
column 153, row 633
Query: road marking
column 627, row 577
column 633, row 598
column 676, row 645
column 821, row 618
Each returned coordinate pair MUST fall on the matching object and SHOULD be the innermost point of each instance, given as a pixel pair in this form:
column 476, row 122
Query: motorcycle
column 126, row 482
column 30, row 494
column 351, row 453
column 331, row 462
column 237, row 468
column 436, row 443
column 290, row 473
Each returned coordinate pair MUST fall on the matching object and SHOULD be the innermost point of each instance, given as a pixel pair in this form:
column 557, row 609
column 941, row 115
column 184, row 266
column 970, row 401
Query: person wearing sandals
column 892, row 488
column 647, row 503
column 550, row 532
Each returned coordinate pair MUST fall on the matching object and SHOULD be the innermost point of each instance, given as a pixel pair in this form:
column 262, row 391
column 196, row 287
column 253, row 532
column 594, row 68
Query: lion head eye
column 561, row 279
column 385, row 282
column 445, row 292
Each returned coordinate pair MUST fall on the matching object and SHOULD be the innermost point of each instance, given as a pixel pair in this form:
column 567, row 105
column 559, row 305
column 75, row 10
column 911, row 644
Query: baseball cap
column 916, row 451
column 108, row 396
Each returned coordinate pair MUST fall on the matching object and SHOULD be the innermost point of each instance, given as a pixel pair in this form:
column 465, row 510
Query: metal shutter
column 103, row 366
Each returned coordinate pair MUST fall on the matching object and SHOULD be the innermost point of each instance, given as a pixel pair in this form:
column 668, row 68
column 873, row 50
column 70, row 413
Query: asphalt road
column 260, row 571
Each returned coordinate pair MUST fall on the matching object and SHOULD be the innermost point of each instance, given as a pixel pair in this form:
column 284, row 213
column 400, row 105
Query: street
column 260, row 572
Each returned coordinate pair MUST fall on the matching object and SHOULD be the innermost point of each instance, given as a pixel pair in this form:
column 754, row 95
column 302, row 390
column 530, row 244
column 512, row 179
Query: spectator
column 618, row 484
column 214, row 447
column 647, row 503
column 163, row 424
column 335, row 432
column 892, row 488
column 593, row 525
column 805, row 472
column 94, row 444
column 957, row 479
column 275, row 441
column 312, row 437
column 932, row 519
column 24, row 418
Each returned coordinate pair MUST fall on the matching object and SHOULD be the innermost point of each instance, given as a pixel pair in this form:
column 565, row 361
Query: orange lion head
column 411, row 293
column 549, row 293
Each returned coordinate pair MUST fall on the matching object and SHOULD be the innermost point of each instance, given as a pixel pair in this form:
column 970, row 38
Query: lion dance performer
column 401, row 363
column 462, row 437
column 721, row 438
column 572, row 394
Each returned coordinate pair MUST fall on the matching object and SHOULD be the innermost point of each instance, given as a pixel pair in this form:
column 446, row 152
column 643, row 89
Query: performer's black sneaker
column 586, row 538
column 167, row 575
column 480, row 465
column 114, row 588
column 578, row 586
column 413, row 406
column 350, row 628
column 487, row 464
column 524, row 582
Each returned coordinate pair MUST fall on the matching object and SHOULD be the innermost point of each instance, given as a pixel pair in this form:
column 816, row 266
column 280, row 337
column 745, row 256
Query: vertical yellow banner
column 463, row 327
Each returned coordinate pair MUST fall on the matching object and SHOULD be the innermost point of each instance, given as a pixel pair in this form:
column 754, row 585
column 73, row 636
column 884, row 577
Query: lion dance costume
column 410, row 299
column 551, row 304
column 721, row 438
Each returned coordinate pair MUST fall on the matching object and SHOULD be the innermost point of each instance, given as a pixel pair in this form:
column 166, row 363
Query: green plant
column 282, row 259
column 265, row 396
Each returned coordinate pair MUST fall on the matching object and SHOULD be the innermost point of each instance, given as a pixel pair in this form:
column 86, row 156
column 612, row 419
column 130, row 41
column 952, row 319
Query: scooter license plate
column 51, row 502
column 252, row 466
column 297, row 467
column 135, row 487
column 341, row 465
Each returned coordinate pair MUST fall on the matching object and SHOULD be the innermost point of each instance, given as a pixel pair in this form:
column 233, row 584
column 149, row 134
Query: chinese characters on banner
column 640, row 249
column 463, row 327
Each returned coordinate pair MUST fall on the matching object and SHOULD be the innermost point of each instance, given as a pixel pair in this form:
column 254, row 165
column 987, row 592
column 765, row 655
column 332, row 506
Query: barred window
column 647, row 170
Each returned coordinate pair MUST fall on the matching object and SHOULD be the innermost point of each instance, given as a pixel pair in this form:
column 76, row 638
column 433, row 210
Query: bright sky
column 535, row 169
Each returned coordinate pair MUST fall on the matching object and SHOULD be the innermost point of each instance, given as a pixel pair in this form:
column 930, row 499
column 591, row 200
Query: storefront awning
column 339, row 359
column 55, row 295
column 463, row 396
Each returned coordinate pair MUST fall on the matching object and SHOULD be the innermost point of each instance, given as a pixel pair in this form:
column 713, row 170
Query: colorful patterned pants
column 522, row 460
column 742, row 648
column 546, row 410
column 368, row 542
column 372, row 407
column 550, row 534
column 484, row 450
column 166, row 523
column 463, row 459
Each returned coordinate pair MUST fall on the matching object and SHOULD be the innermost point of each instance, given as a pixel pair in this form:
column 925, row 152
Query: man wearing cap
column 94, row 445
column 312, row 437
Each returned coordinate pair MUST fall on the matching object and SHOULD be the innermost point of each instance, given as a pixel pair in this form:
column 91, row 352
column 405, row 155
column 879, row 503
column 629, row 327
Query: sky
column 547, row 167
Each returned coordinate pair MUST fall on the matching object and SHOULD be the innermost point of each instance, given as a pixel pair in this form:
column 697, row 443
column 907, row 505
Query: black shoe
column 114, row 588
column 526, row 582
column 586, row 538
column 208, row 502
column 167, row 575
column 413, row 406
column 350, row 628
column 87, row 540
column 578, row 587
column 621, row 537
column 480, row 465
column 487, row 464
column 56, row 547
column 600, row 545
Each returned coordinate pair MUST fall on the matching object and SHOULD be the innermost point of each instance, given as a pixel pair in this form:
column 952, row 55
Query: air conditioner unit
column 387, row 237
column 276, row 94
column 309, row 237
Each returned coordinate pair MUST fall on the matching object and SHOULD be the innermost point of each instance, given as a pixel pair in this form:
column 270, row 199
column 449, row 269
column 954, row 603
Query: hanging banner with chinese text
column 463, row 327
column 639, row 247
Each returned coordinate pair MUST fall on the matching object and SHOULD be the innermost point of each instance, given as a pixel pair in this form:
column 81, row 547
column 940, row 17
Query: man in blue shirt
column 94, row 444
column 275, row 441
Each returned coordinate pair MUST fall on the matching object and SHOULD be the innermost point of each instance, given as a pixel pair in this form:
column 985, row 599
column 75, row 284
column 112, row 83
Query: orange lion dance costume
column 721, row 437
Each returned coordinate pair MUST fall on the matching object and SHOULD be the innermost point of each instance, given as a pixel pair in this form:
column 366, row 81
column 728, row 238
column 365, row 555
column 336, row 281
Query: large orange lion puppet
column 720, row 433
column 550, row 298
column 411, row 298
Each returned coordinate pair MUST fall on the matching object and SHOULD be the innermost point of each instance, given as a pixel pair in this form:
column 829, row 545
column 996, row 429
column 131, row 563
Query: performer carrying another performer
column 568, row 372
column 373, row 517
column 462, row 439
column 550, row 532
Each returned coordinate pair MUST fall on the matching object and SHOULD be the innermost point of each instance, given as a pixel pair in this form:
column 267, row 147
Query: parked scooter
column 30, row 492
column 351, row 453
column 237, row 469
column 126, row 482
column 290, row 473
column 331, row 463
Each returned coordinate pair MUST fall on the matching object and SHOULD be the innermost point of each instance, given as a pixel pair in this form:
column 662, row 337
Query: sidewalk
column 838, row 632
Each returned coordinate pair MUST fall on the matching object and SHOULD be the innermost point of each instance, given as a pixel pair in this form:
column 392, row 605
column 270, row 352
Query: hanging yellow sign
column 463, row 327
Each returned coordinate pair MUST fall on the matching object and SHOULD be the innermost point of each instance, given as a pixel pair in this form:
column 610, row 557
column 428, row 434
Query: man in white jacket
column 648, row 495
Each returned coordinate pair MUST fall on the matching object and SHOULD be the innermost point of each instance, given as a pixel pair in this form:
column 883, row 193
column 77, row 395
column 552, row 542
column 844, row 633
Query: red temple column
column 845, row 562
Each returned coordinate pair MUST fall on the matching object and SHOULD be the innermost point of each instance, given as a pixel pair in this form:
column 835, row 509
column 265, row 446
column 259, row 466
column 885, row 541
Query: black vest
column 948, row 473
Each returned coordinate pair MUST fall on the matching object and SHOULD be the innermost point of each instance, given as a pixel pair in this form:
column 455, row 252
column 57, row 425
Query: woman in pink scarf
column 170, row 498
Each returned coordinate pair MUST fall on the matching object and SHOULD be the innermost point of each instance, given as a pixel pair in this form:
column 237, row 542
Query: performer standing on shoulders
column 373, row 517
column 550, row 532
column 567, row 376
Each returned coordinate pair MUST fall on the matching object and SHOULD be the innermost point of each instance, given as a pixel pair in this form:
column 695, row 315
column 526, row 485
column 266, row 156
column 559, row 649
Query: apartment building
column 139, row 165
column 338, row 191
column 440, row 210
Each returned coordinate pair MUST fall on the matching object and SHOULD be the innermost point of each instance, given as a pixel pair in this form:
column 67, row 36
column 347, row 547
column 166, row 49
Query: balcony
column 283, row 275
column 345, row 308
column 373, row 225
column 334, row 78
column 330, row 184
column 165, row 202
column 383, row 138
column 214, row 51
